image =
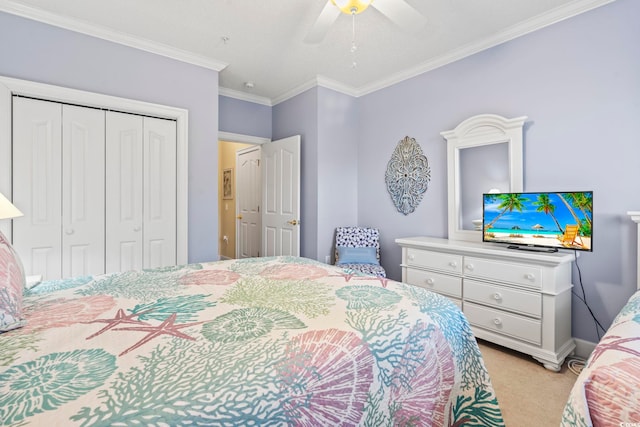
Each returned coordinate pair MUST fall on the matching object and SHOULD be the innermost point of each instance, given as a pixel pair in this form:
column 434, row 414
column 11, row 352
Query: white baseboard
column 584, row 348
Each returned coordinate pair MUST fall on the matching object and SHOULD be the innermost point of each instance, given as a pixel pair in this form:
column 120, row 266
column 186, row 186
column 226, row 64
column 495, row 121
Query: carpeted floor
column 528, row 394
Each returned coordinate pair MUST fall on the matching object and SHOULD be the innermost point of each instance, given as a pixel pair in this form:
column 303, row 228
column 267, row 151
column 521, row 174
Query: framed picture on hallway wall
column 227, row 183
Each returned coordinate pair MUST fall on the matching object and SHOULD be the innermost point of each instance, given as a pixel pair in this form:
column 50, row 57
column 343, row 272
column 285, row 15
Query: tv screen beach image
column 552, row 220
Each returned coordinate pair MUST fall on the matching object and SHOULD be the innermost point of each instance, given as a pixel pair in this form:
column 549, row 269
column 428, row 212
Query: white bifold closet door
column 141, row 192
column 98, row 189
column 58, row 182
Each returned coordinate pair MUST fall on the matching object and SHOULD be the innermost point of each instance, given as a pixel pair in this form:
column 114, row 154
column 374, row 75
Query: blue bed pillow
column 363, row 255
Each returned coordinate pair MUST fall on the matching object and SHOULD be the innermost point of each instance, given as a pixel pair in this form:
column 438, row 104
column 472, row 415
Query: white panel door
column 124, row 218
column 249, row 197
column 281, row 197
column 37, row 186
column 159, row 227
column 83, row 181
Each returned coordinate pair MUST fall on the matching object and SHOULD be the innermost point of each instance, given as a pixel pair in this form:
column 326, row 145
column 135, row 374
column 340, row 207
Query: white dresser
column 515, row 298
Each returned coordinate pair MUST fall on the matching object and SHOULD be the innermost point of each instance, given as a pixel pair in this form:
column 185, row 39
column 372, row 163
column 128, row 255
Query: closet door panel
column 37, row 186
column 159, row 193
column 124, row 187
column 83, row 191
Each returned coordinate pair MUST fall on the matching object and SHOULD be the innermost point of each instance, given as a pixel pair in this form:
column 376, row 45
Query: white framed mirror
column 484, row 154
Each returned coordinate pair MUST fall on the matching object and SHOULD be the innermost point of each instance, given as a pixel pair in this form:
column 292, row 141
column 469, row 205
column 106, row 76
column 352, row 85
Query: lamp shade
column 7, row 210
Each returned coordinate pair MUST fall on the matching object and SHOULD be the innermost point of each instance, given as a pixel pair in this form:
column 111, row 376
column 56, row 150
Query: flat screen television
column 545, row 221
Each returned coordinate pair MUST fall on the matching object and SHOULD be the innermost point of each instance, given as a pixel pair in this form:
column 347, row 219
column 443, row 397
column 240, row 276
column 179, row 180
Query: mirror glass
column 482, row 169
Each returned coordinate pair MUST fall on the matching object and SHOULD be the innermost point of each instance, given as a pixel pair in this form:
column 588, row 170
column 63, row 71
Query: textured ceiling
column 262, row 41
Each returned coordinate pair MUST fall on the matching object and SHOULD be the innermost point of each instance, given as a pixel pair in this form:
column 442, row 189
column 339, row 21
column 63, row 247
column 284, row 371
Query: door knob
column 293, row 222
column 239, row 217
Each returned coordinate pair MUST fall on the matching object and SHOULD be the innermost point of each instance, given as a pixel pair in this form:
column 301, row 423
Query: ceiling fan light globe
column 352, row 6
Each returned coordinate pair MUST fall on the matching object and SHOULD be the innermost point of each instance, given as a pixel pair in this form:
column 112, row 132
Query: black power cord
column 583, row 298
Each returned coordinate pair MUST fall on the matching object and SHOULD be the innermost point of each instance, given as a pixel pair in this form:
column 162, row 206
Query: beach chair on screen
column 570, row 235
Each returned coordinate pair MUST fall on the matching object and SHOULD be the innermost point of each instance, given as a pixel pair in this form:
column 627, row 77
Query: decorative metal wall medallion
column 407, row 175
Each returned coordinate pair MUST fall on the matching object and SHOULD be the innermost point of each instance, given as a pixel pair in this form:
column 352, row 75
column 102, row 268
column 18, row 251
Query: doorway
column 227, row 198
column 267, row 191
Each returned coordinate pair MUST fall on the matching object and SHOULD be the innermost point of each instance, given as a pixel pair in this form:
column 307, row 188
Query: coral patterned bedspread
column 262, row 341
column 607, row 391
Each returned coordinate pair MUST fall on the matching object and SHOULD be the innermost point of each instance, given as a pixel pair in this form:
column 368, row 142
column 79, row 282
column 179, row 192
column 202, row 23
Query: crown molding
column 544, row 20
column 93, row 30
column 244, row 96
column 318, row 81
column 556, row 15
column 296, row 91
column 245, row 139
column 511, row 33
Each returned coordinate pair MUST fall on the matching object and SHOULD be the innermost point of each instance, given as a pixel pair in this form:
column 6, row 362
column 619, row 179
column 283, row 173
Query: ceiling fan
column 398, row 11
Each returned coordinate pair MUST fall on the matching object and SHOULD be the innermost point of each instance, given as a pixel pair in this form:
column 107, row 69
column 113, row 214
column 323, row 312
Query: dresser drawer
column 529, row 303
column 436, row 260
column 440, row 283
column 504, row 323
column 520, row 274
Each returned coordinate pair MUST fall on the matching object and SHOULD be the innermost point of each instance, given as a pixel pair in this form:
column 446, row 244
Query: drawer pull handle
column 470, row 267
column 453, row 264
column 411, row 257
column 430, row 281
column 530, row 276
column 497, row 321
column 497, row 296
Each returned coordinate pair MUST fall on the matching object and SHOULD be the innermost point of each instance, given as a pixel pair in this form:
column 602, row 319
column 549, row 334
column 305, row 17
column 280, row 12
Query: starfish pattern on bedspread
column 120, row 318
column 165, row 328
column 345, row 276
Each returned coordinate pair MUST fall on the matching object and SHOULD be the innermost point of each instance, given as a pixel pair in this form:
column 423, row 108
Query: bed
column 607, row 391
column 259, row 341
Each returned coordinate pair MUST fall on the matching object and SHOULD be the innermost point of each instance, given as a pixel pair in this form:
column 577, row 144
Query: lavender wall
column 337, row 167
column 299, row 116
column 244, row 118
column 327, row 122
column 37, row 52
column 577, row 81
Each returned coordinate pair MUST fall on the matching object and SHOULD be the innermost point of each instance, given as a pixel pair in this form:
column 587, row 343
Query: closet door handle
column 137, row 228
column 69, row 231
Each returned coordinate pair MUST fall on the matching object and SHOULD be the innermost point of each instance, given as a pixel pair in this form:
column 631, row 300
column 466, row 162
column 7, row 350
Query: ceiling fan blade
column 401, row 13
column 320, row 28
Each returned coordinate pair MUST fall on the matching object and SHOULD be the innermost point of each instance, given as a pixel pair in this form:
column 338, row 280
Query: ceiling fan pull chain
column 354, row 47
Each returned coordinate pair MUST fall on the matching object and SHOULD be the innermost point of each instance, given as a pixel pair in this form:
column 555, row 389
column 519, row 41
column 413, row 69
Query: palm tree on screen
column 570, row 208
column 584, row 202
column 508, row 202
column 544, row 204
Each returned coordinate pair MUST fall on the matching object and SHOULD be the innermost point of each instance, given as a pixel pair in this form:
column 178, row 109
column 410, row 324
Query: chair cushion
column 12, row 283
column 363, row 255
column 354, row 237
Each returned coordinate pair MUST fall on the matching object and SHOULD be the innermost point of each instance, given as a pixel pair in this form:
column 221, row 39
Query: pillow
column 12, row 283
column 363, row 255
